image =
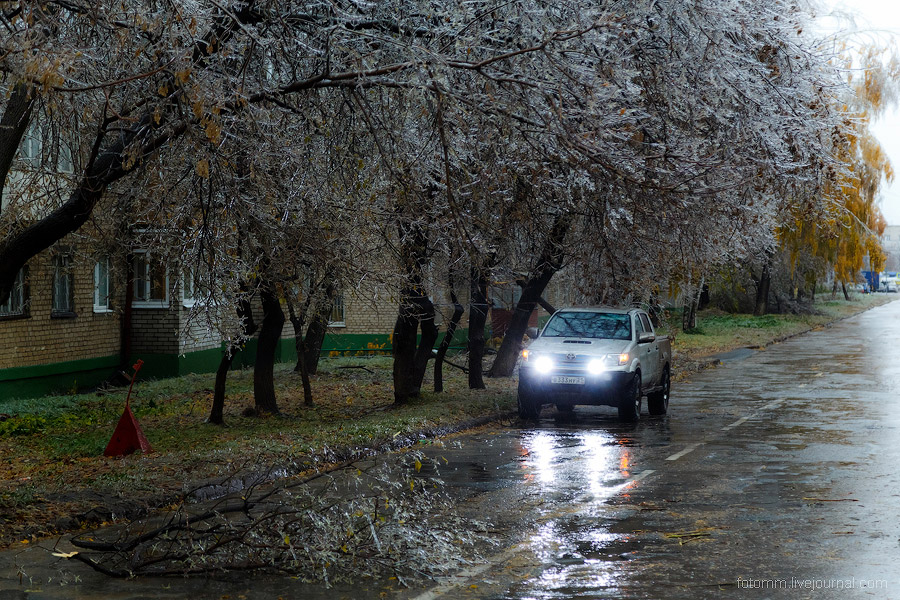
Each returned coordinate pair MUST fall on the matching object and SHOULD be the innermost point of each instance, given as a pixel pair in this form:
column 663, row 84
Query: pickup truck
column 598, row 356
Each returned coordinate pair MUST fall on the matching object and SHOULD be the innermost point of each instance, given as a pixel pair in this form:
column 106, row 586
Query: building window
column 189, row 288
column 102, row 287
column 336, row 319
column 15, row 304
column 63, row 285
column 151, row 282
column 31, row 145
column 64, row 161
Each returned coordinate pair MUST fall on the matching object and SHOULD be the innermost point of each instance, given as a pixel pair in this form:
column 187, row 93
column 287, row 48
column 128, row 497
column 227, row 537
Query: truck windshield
column 612, row 326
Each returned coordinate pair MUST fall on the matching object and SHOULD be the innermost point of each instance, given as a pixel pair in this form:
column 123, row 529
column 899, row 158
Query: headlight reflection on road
column 596, row 463
column 541, row 454
column 605, row 462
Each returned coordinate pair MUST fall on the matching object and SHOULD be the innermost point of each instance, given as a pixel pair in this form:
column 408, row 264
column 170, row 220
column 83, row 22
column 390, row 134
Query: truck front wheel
column 658, row 402
column 630, row 402
column 529, row 409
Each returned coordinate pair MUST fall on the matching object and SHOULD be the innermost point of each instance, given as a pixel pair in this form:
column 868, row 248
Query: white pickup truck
column 599, row 356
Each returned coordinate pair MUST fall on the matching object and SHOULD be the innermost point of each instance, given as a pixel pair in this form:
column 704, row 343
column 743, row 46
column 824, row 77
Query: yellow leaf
column 287, row 540
column 203, row 168
column 418, row 465
column 163, row 90
column 412, row 485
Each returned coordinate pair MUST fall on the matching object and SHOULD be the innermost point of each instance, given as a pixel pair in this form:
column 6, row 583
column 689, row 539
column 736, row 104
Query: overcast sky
column 879, row 21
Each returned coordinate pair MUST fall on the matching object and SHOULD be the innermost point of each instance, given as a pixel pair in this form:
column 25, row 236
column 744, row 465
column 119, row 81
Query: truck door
column 648, row 353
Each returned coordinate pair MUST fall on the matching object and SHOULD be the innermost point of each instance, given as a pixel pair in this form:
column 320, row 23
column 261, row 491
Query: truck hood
column 581, row 346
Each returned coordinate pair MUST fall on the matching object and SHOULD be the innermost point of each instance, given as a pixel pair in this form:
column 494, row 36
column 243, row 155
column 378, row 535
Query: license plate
column 564, row 379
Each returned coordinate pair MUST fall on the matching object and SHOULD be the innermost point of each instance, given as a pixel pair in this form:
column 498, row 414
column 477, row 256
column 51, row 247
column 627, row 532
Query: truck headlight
column 543, row 364
column 614, row 360
column 596, row 366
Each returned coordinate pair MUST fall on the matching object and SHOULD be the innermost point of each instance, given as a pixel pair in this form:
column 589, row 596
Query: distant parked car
column 890, row 286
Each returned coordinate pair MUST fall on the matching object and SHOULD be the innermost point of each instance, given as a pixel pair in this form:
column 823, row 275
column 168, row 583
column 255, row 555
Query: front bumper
column 604, row 389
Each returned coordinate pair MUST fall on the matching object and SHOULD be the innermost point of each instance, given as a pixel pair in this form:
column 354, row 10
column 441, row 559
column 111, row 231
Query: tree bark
column 315, row 332
column 689, row 316
column 248, row 328
column 846, row 293
column 300, row 347
column 546, row 305
column 549, row 263
column 763, row 284
column 410, row 358
column 478, row 308
column 458, row 310
column 312, row 342
column 425, row 351
column 267, row 345
column 104, row 168
column 403, row 343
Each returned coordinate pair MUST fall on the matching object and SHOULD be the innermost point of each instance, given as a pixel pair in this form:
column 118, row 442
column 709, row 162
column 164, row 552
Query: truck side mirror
column 645, row 337
column 532, row 333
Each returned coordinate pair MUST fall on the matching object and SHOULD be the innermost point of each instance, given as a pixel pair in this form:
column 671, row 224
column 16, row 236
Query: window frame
column 63, row 270
column 20, row 290
column 31, row 147
column 144, row 300
column 338, row 306
column 188, row 276
column 102, row 305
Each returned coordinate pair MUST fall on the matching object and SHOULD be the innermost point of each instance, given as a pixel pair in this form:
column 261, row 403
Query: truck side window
column 638, row 326
column 646, row 322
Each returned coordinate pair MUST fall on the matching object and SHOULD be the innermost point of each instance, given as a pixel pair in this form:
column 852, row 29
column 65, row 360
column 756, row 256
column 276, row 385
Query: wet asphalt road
column 775, row 475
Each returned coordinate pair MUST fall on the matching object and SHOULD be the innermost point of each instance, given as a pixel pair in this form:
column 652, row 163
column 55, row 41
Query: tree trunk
column 704, row 298
column 217, row 412
column 532, row 290
column 104, row 168
column 505, row 361
column 403, row 342
column 127, row 152
column 267, row 345
column 458, row 310
column 846, row 293
column 546, row 306
column 425, row 351
column 763, row 284
column 315, row 333
column 689, row 315
column 248, row 328
column 300, row 346
column 689, row 322
column 304, row 379
column 478, row 308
